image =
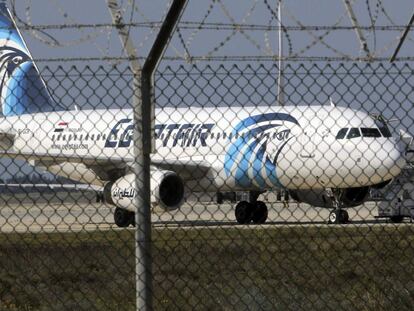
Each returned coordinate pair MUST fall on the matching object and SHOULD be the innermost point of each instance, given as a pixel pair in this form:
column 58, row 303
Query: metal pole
column 407, row 29
column 144, row 119
column 151, row 63
column 360, row 35
column 143, row 263
column 280, row 95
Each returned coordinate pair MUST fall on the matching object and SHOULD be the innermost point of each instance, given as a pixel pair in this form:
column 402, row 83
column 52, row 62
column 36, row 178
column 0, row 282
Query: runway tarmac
column 67, row 212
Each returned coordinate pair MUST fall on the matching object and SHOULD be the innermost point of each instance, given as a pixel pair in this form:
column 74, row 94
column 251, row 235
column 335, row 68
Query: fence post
column 144, row 119
column 143, row 262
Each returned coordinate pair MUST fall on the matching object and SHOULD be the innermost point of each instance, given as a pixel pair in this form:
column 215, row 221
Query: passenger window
column 370, row 132
column 341, row 134
column 353, row 133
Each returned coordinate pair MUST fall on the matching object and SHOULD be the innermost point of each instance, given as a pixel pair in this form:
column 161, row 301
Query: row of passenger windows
column 82, row 137
column 354, row 132
column 223, row 135
column 93, row 137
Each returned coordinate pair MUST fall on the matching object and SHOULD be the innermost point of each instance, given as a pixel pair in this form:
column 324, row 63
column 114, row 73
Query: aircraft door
column 312, row 136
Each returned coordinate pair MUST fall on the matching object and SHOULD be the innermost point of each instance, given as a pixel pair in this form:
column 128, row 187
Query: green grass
column 274, row 268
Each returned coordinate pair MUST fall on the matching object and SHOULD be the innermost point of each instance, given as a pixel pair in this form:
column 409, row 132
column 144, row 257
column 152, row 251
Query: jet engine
column 167, row 191
column 349, row 197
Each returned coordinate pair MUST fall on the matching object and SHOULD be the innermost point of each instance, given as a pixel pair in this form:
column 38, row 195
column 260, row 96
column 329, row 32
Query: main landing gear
column 338, row 215
column 124, row 218
column 252, row 211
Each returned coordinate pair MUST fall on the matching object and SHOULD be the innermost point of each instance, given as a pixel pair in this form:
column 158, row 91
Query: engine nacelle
column 349, row 197
column 167, row 191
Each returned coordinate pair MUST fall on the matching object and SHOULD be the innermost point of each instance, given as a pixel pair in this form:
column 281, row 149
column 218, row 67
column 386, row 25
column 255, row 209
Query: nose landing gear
column 253, row 211
column 338, row 215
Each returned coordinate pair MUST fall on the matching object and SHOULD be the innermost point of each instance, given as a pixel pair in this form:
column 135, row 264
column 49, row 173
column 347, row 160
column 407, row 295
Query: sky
column 98, row 42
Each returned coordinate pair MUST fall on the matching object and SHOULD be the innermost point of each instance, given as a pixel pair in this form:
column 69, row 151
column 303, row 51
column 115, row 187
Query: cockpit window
column 370, row 132
column 385, row 131
column 341, row 134
column 353, row 133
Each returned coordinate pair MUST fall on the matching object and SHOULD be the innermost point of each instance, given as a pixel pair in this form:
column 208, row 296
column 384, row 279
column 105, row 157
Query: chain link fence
column 255, row 206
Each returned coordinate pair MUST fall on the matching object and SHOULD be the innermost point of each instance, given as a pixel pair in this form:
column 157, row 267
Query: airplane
column 323, row 155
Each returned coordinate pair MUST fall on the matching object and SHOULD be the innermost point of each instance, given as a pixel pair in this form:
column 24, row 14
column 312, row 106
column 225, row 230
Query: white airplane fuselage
column 251, row 148
column 306, row 149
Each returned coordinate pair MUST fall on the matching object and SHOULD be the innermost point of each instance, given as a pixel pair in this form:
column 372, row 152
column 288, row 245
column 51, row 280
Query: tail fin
column 22, row 90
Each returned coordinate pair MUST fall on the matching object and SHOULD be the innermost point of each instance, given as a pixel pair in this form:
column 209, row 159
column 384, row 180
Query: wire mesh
column 255, row 206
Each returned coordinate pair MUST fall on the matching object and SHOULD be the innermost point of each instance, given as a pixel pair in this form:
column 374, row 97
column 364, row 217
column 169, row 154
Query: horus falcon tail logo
column 10, row 59
column 248, row 159
column 22, row 89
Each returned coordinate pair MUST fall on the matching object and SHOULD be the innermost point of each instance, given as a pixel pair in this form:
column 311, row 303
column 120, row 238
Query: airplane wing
column 187, row 169
column 103, row 169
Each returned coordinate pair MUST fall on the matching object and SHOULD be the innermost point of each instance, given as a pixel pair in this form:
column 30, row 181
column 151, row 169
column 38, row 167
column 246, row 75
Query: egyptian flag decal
column 61, row 126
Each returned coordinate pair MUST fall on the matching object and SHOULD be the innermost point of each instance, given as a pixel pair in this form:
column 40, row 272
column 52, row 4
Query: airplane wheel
column 345, row 216
column 338, row 217
column 260, row 213
column 123, row 218
column 333, row 216
column 244, row 211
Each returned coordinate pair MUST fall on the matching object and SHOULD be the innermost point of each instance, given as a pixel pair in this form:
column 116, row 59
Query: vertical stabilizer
column 22, row 90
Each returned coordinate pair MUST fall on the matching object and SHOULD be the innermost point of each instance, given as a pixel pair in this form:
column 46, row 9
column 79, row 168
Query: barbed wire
column 227, row 39
column 316, row 38
column 319, row 34
column 282, row 26
column 246, row 58
column 192, row 25
column 373, row 18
